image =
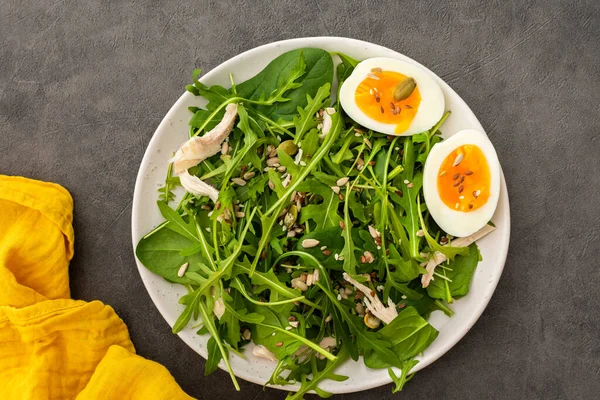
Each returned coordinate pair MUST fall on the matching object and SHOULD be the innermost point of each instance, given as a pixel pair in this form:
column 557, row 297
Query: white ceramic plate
column 173, row 130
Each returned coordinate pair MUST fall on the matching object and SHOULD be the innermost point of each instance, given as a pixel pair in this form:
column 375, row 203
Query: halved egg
column 461, row 182
column 392, row 97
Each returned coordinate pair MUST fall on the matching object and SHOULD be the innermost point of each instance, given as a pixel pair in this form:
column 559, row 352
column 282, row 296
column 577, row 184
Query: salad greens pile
column 299, row 209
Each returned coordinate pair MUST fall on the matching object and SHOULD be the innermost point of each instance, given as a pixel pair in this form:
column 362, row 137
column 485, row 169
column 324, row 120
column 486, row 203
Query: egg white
column 453, row 222
column 430, row 109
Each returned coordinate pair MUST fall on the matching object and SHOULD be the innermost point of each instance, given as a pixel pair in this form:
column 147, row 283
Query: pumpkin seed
column 288, row 147
column 404, row 89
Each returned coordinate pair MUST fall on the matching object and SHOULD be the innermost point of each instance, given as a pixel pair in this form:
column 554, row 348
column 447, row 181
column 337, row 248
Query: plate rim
column 314, row 42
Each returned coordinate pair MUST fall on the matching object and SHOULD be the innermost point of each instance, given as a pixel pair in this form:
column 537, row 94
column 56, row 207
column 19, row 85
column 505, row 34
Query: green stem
column 244, row 293
column 212, row 329
column 324, row 149
column 307, row 342
column 440, row 122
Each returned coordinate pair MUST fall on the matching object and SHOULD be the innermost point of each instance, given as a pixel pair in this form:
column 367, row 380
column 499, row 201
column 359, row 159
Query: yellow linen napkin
column 53, row 347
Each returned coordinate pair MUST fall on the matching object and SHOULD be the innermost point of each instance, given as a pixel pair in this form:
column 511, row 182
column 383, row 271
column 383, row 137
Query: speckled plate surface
column 173, row 130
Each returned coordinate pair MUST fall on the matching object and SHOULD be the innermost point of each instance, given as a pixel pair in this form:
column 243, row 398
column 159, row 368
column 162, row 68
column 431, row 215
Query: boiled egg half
column 392, row 97
column 461, row 182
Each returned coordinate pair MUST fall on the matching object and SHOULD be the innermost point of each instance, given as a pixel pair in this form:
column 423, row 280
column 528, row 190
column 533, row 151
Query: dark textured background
column 83, row 85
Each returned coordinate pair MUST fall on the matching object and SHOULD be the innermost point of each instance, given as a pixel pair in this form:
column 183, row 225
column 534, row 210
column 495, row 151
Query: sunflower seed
column 374, row 232
column 336, row 189
column 360, row 309
column 373, row 76
column 376, row 70
column 342, row 181
column 458, row 159
column 273, row 162
column 239, row 181
column 249, row 175
column 182, row 270
column 309, row 243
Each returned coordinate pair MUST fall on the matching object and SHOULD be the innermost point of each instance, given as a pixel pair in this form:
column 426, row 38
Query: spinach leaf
column 459, row 273
column 408, row 333
column 319, row 71
column 160, row 253
column 345, row 68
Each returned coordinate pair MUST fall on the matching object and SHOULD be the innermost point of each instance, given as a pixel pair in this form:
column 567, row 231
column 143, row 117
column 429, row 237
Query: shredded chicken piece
column 328, row 343
column 219, row 308
column 327, row 122
column 437, row 258
column 197, row 187
column 198, row 148
column 385, row 314
column 261, row 351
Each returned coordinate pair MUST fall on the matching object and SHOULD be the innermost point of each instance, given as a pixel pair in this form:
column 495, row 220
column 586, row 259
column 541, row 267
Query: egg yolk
column 464, row 179
column 375, row 97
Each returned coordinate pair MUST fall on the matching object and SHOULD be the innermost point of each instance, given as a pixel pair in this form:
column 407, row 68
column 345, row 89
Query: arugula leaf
column 192, row 302
column 318, row 376
column 215, row 94
column 404, row 377
column 318, row 72
column 176, row 222
column 214, row 356
column 325, row 214
column 408, row 200
column 356, row 206
column 329, row 237
column 268, row 280
column 368, row 342
column 166, row 192
column 306, row 120
column 209, row 323
column 406, row 270
column 449, row 251
column 350, row 261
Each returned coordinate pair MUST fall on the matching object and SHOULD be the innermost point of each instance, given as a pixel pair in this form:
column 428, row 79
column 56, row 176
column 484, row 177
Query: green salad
column 301, row 233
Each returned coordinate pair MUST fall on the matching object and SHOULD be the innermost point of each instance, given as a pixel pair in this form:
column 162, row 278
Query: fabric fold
column 51, row 346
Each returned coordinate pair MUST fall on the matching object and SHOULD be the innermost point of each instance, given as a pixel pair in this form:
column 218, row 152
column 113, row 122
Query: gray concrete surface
column 83, row 85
